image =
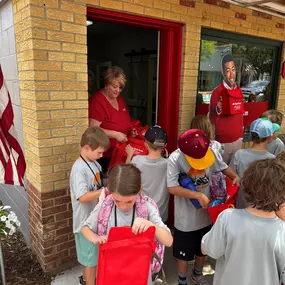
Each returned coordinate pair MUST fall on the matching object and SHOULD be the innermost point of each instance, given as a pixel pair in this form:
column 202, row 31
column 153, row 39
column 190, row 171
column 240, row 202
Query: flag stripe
column 12, row 159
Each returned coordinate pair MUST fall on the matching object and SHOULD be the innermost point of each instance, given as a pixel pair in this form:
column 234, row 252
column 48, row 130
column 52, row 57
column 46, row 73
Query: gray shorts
column 230, row 149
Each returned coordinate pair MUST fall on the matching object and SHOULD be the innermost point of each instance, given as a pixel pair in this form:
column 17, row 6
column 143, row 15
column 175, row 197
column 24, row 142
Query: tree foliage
column 207, row 50
column 255, row 58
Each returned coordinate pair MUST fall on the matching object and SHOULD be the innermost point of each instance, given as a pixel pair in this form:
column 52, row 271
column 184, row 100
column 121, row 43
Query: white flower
column 12, row 231
column 8, row 225
column 3, row 219
column 14, row 218
column 18, row 223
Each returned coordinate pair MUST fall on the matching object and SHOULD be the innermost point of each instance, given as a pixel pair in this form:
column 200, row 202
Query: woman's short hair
column 125, row 179
column 115, row 73
column 263, row 185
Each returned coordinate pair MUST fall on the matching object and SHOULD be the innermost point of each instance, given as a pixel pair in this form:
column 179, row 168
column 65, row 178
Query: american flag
column 12, row 161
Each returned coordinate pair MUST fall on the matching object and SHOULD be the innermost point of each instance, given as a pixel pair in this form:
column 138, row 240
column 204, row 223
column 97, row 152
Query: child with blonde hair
column 276, row 145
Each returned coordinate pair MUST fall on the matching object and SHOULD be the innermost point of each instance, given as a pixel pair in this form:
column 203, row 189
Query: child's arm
column 91, row 236
column 186, row 193
column 163, row 235
column 90, row 196
column 232, row 175
column 173, row 171
column 89, row 227
column 130, row 151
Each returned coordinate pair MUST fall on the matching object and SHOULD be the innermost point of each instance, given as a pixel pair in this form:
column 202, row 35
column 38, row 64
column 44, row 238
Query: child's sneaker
column 199, row 279
column 81, row 280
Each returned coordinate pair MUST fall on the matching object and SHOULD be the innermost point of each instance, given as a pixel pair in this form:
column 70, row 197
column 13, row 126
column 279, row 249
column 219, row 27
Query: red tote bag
column 125, row 257
column 229, row 203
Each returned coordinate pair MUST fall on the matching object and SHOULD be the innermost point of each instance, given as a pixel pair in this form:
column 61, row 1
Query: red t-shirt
column 228, row 128
column 101, row 110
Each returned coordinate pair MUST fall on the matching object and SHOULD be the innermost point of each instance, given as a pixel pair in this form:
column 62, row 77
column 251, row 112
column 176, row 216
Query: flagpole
column 2, row 265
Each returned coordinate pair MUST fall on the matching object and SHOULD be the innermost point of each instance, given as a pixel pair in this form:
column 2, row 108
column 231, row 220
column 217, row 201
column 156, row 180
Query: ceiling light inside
column 89, row 23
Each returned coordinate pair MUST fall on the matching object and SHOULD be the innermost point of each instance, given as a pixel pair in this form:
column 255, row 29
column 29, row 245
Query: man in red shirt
column 226, row 110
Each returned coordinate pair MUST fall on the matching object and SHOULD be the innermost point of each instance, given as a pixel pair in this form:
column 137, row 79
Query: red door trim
column 169, row 62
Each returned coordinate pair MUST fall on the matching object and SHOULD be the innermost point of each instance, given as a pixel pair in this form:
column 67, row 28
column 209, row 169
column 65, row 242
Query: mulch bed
column 21, row 265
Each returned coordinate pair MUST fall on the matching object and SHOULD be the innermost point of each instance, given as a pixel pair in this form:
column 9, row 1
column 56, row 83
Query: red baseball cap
column 196, row 147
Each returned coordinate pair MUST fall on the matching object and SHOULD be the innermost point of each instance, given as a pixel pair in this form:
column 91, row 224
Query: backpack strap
column 141, row 208
column 106, row 209
column 104, row 215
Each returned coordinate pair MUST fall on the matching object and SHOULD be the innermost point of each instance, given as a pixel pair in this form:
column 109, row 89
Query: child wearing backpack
column 85, row 188
column 153, row 168
column 126, row 207
column 249, row 243
column 194, row 157
column 218, row 187
column 276, row 146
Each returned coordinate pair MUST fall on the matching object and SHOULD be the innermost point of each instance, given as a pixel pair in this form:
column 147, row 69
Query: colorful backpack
column 141, row 211
column 218, row 187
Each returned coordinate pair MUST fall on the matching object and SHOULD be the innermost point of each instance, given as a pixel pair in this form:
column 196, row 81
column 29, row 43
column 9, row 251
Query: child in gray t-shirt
column 85, row 188
column 249, row 244
column 194, row 157
column 276, row 146
column 153, row 168
column 261, row 131
column 124, row 184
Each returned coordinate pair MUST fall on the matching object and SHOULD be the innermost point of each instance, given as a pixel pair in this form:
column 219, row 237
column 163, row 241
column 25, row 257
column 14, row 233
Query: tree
column 255, row 58
column 207, row 50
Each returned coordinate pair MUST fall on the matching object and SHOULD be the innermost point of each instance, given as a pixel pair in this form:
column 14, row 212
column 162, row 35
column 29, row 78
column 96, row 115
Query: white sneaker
column 199, row 279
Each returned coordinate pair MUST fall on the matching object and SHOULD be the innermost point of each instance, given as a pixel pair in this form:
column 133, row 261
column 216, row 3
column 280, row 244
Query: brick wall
column 52, row 62
column 51, row 235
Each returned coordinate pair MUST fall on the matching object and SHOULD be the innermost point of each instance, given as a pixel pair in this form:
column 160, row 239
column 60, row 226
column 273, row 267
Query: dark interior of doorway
column 134, row 49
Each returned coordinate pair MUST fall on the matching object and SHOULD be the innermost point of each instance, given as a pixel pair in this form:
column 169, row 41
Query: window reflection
column 254, row 68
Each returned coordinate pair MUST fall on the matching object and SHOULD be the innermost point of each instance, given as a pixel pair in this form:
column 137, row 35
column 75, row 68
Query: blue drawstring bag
column 186, row 182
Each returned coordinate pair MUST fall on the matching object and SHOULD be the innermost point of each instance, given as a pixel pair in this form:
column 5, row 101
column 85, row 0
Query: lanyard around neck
column 99, row 184
column 133, row 217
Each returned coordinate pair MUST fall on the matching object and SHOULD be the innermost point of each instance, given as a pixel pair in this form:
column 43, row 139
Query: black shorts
column 186, row 245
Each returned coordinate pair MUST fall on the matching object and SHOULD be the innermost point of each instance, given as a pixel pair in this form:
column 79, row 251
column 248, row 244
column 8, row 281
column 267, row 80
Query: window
column 254, row 69
column 257, row 63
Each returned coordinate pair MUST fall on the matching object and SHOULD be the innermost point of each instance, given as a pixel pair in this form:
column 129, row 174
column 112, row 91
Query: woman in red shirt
column 108, row 110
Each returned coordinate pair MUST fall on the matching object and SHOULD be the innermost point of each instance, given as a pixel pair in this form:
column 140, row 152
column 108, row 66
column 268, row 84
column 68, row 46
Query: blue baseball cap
column 264, row 128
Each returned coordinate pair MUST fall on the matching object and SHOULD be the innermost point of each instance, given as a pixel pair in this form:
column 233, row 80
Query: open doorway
column 135, row 50
column 167, row 39
column 168, row 60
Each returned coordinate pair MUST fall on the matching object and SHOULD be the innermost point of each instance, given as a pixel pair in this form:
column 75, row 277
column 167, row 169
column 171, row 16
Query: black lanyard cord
column 99, row 184
column 133, row 217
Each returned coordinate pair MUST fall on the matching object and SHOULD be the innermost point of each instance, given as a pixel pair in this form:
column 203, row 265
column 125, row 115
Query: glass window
column 254, row 67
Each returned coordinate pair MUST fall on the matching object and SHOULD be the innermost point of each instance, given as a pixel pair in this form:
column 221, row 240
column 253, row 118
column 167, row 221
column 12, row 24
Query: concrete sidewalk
column 70, row 277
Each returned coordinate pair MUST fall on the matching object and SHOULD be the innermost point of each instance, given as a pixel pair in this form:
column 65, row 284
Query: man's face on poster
column 230, row 73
